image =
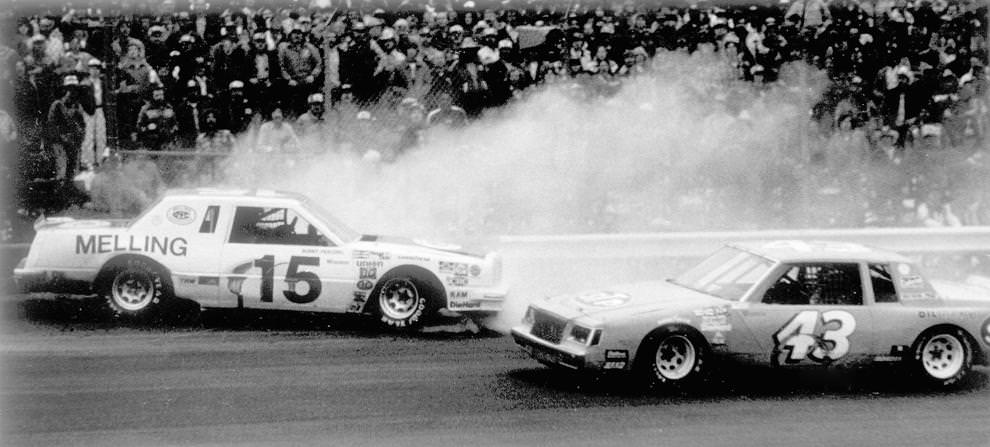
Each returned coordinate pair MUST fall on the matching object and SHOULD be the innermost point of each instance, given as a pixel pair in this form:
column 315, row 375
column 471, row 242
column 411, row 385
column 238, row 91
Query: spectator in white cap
column 66, row 127
column 311, row 122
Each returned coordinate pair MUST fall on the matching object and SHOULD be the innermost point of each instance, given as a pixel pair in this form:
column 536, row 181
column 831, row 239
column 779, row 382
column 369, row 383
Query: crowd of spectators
column 904, row 76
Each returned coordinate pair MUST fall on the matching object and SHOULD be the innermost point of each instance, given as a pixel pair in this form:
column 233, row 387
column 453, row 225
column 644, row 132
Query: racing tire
column 402, row 301
column 673, row 359
column 136, row 289
column 942, row 358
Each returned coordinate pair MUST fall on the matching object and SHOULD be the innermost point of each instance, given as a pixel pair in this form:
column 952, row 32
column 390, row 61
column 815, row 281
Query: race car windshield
column 344, row 232
column 727, row 274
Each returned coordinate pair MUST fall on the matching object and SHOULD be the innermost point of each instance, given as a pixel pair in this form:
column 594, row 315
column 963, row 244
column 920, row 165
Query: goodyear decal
column 108, row 243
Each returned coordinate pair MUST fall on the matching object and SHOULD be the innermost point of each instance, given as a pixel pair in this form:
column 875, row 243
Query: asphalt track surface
column 75, row 375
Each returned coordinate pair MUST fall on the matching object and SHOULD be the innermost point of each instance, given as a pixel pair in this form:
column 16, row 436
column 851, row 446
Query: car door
column 275, row 258
column 811, row 314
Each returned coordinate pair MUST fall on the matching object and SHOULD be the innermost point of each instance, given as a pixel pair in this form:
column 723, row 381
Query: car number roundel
column 797, row 339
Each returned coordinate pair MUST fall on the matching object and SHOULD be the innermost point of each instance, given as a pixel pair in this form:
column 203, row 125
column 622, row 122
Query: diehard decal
column 181, row 215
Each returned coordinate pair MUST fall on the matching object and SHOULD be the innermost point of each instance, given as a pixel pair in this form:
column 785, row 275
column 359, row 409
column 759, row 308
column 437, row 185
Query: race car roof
column 811, row 251
column 234, row 193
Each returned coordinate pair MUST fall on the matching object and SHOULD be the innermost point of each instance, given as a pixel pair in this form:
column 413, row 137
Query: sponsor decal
column 948, row 314
column 603, row 299
column 463, row 305
column 365, row 284
column 108, row 243
column 368, row 273
column 912, row 281
column 457, row 281
column 712, row 311
column 456, row 268
column 181, row 215
column 715, row 323
column 616, row 359
column 414, row 258
column 364, row 263
column 333, row 261
column 986, row 331
column 475, row 270
column 366, row 254
column 187, row 279
column 455, row 294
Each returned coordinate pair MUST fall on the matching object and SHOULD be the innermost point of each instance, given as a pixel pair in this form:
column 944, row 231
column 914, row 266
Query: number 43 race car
column 256, row 249
column 784, row 304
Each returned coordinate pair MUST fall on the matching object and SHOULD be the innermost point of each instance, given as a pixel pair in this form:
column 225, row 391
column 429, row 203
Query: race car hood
column 973, row 291
column 404, row 242
column 632, row 299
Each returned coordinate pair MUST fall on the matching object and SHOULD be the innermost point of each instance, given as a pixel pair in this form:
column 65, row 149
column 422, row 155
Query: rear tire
column 943, row 357
column 673, row 359
column 136, row 288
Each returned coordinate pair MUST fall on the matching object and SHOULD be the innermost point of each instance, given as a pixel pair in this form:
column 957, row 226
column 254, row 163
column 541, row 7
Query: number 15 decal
column 292, row 277
column 799, row 340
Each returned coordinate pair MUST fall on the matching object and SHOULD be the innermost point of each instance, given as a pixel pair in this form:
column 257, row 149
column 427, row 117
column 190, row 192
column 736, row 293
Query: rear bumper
column 548, row 353
column 30, row 280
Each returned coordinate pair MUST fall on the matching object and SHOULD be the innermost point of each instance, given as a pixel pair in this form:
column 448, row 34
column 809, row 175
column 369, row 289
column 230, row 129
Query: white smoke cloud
column 641, row 160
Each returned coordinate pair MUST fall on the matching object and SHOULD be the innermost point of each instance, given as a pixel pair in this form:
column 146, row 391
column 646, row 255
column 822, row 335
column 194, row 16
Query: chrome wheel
column 943, row 356
column 399, row 299
column 675, row 357
column 133, row 291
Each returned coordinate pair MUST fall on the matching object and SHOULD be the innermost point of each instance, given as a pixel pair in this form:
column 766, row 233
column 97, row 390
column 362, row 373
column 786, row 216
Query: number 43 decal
column 799, row 340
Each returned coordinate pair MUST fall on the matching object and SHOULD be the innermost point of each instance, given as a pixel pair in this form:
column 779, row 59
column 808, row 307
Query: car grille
column 548, row 327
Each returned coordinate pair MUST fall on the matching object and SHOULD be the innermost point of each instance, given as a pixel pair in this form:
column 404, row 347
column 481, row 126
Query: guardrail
column 545, row 265
column 681, row 245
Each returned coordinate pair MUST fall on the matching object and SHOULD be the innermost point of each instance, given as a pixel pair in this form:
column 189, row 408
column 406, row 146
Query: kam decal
column 181, row 214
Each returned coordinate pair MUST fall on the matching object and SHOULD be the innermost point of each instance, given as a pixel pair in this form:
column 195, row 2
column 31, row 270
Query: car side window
column 816, row 284
column 277, row 226
column 209, row 224
column 883, row 284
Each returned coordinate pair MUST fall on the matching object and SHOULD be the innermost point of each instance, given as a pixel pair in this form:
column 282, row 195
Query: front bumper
column 475, row 299
column 548, row 353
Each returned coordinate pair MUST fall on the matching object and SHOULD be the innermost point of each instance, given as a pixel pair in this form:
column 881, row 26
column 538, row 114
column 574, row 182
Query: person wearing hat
column 301, row 65
column 156, row 123
column 94, row 94
column 66, row 127
column 235, row 108
column 74, row 59
column 228, row 60
column 311, row 122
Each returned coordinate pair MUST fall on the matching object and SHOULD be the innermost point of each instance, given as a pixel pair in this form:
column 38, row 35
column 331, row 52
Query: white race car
column 256, row 249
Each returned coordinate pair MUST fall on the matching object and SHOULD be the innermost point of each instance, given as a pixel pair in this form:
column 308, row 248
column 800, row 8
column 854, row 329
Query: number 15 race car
column 256, row 249
column 783, row 304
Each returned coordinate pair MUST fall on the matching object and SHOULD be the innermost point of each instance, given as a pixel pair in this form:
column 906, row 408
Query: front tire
column 404, row 302
column 136, row 289
column 673, row 359
column 943, row 357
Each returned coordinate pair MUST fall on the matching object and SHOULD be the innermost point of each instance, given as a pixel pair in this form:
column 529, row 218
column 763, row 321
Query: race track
column 73, row 375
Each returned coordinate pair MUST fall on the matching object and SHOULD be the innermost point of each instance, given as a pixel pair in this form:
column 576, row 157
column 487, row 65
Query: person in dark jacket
column 66, row 128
